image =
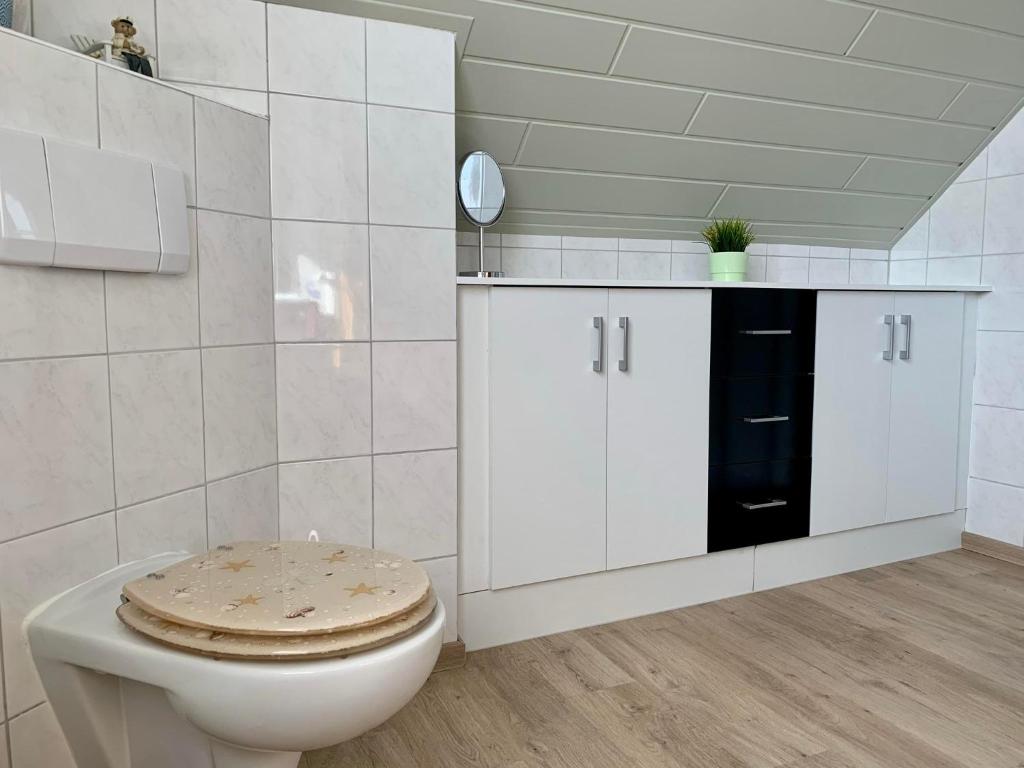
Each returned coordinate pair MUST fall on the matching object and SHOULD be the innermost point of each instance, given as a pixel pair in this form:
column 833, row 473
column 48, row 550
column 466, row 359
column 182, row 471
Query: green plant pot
column 728, row 266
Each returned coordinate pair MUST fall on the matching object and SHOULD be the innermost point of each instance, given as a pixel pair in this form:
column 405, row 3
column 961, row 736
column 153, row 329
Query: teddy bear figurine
column 124, row 31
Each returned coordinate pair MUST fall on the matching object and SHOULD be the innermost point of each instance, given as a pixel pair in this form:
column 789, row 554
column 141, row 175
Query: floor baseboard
column 453, row 656
column 1000, row 550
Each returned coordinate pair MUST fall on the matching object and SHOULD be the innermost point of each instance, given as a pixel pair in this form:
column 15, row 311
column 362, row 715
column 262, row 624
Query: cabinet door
column 658, row 425
column 925, row 405
column 851, row 411
column 548, row 430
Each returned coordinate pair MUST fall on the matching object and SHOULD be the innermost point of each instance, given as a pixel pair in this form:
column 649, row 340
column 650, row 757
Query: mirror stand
column 482, row 271
column 481, row 196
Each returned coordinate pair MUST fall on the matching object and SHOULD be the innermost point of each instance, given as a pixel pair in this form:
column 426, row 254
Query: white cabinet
column 886, row 404
column 658, row 425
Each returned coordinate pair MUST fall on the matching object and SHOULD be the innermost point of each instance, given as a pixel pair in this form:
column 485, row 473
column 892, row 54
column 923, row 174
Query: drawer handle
column 764, row 505
column 780, row 332
column 764, row 419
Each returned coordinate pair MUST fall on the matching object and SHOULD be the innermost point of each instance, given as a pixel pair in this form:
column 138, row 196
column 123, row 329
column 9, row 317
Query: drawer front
column 758, row 503
column 761, row 419
column 762, row 332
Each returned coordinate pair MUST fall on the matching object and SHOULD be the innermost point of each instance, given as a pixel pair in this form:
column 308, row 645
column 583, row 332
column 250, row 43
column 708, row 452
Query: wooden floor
column 915, row 664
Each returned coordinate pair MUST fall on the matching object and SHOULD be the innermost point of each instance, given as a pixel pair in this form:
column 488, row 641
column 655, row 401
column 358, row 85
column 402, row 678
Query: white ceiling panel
column 797, row 125
column 822, row 121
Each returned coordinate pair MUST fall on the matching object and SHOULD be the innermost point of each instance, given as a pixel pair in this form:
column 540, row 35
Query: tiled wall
column 625, row 259
column 974, row 233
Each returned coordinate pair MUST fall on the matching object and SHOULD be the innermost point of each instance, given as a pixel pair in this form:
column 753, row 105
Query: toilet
column 246, row 656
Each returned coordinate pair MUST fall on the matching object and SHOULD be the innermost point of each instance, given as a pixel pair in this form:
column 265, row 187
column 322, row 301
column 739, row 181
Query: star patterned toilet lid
column 282, row 588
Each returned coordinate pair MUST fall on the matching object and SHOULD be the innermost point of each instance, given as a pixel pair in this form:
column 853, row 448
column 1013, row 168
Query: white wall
column 974, row 233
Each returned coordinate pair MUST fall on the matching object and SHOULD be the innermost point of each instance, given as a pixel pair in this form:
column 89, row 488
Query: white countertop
column 558, row 282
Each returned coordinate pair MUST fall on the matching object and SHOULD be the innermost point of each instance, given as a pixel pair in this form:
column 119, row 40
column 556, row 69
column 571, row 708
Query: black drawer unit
column 762, row 401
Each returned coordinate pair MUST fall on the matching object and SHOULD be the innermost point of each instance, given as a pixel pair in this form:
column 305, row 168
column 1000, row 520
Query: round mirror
column 481, row 189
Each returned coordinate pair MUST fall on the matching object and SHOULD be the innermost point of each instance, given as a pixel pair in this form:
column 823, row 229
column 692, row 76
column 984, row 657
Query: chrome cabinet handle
column 598, row 358
column 890, row 320
column 764, row 419
column 780, row 332
column 624, row 357
column 764, row 505
column 905, row 352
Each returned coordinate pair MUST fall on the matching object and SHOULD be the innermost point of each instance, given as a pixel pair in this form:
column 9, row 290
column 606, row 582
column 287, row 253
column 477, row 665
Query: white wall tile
column 691, row 246
column 913, row 244
column 330, row 60
column 171, row 524
column 963, row 270
column 243, row 508
column 54, row 443
column 415, row 503
column 520, row 241
column 50, row 312
column 143, row 118
column 318, row 151
column 997, row 443
column 1006, row 152
column 824, row 252
column 37, row 741
column 335, row 498
column 786, row 269
column 590, row 265
column 232, row 159
column 411, row 157
column 34, row 569
column 1005, row 271
column 957, row 218
column 414, row 388
column 412, row 286
column 321, row 281
column 1004, row 224
column 829, row 271
column 644, row 266
column 150, row 311
column 410, row 66
column 644, row 245
column 444, row 578
column 864, row 272
column 3, row 736
column 1002, row 310
column 46, row 92
column 157, row 412
column 695, row 266
column 590, row 243
column 468, row 258
column 908, row 272
column 239, row 405
column 975, row 170
column 254, row 102
column 323, row 401
column 220, row 43
column 998, row 379
column 869, row 253
column 529, row 262
column 994, row 511
column 492, row 238
column 794, row 251
column 235, row 280
column 56, row 20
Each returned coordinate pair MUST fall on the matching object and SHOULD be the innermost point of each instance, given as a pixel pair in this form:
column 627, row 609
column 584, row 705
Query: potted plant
column 728, row 240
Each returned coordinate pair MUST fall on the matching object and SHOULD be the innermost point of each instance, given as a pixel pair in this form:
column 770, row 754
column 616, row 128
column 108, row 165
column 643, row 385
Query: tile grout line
column 199, row 322
column 369, row 277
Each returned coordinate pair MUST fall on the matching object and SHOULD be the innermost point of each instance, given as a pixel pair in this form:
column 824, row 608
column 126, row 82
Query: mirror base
column 488, row 273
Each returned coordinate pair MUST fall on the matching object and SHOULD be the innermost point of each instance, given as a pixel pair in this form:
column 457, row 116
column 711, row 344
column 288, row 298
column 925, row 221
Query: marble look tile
column 148, row 312
column 690, row 246
column 56, row 20
column 334, row 498
column 54, row 443
column 824, row 252
column 236, row 302
column 757, row 267
column 643, row 245
column 908, row 272
column 243, row 508
column 692, row 266
column 865, row 272
column 3, row 734
column 413, row 290
column 157, row 412
column 975, row 170
column 829, row 270
column 22, row 17
column 526, row 262
column 232, row 160
column 998, row 379
column 50, row 312
column 963, row 270
column 410, row 66
column 414, row 396
column 229, row 46
column 590, row 243
column 1004, row 225
column 914, row 243
column 468, row 258
column 254, row 102
column 492, row 238
column 46, row 92
column 319, row 159
column 323, row 408
column 411, row 157
column 997, row 443
column 301, row 69
column 1002, row 310
column 634, row 265
column 519, row 241
column 444, row 577
column 785, row 269
column 793, row 251
column 957, row 218
column 590, row 265
column 239, row 406
column 1006, row 152
column 37, row 741
column 35, row 568
column 150, row 120
column 878, row 254
column 1005, row 271
column 996, row 511
column 321, row 281
column 415, row 503
column 171, row 524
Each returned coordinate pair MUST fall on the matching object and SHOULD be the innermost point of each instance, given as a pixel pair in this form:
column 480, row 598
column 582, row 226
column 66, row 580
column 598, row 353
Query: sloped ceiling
column 823, row 121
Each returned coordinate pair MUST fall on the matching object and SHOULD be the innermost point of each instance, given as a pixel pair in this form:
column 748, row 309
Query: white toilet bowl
column 125, row 701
